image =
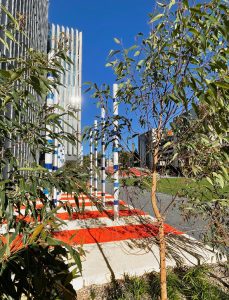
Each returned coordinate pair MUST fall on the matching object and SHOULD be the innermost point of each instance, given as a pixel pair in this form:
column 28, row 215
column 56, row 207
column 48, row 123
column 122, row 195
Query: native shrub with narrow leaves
column 32, row 263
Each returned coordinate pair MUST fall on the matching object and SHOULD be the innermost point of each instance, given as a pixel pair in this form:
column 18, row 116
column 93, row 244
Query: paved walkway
column 141, row 199
column 125, row 246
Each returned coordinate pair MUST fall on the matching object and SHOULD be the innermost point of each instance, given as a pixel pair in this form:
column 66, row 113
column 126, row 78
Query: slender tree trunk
column 162, row 244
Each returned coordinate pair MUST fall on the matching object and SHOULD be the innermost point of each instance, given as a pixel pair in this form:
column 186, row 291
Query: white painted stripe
column 106, row 222
column 81, row 195
column 84, row 199
column 73, row 201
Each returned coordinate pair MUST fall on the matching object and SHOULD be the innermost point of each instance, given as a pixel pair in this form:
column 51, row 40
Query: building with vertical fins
column 32, row 16
column 70, row 92
column 33, row 19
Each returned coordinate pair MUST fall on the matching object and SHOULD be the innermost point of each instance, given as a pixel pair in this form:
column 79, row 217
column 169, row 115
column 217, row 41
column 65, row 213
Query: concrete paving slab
column 104, row 261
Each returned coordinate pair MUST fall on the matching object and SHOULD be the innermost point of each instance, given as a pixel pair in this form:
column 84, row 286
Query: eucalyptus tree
column 181, row 65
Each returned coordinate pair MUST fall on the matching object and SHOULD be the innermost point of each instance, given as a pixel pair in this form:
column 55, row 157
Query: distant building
column 70, row 92
column 146, row 142
column 145, row 148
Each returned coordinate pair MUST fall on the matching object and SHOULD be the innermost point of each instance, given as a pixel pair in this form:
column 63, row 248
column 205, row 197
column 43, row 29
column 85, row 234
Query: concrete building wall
column 70, row 93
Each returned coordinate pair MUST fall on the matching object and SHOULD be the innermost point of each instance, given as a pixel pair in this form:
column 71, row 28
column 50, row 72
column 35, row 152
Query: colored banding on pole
column 58, row 163
column 95, row 158
column 103, row 176
column 115, row 152
column 91, row 163
column 55, row 152
column 52, row 158
column 49, row 155
column 60, row 151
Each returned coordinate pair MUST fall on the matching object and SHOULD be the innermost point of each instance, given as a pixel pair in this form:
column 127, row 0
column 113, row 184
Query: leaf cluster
column 31, row 262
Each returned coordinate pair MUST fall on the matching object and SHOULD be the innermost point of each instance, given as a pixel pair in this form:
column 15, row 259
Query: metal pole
column 115, row 153
column 58, row 165
column 59, row 155
column 91, row 163
column 55, row 153
column 103, row 175
column 95, row 158
column 50, row 142
column 63, row 156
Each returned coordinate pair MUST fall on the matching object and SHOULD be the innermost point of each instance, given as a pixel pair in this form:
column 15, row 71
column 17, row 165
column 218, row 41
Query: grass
column 180, row 186
column 194, row 283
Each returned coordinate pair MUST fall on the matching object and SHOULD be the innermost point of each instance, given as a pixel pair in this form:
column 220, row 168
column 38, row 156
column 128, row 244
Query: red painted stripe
column 111, row 234
column 15, row 245
column 97, row 214
column 88, row 215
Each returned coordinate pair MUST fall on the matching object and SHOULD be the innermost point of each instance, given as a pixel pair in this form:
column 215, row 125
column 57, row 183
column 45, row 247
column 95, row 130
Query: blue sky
column 100, row 21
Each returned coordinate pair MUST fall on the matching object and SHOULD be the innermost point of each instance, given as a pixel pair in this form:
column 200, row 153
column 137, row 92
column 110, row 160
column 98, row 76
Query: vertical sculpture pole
column 91, row 162
column 49, row 155
column 115, row 153
column 58, row 155
column 58, row 164
column 55, row 152
column 63, row 156
column 95, row 159
column 103, row 182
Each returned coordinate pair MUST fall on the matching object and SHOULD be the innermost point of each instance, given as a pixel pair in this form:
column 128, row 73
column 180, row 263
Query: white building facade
column 70, row 95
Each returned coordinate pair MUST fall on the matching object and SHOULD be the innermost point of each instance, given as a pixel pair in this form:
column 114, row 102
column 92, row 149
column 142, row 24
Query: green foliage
column 183, row 283
column 129, row 288
column 181, row 187
column 181, row 67
column 38, row 272
column 125, row 159
column 190, row 284
column 31, row 262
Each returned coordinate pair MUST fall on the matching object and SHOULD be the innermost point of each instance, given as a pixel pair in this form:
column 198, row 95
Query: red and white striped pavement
column 123, row 246
column 93, row 226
